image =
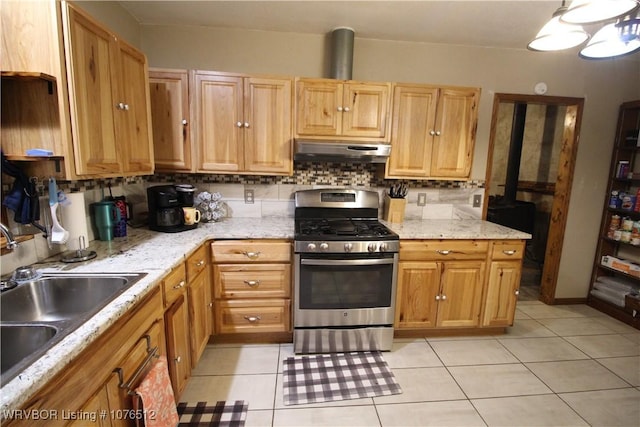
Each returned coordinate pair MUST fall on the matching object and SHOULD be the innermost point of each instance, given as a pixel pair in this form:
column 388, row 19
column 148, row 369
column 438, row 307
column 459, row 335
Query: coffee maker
column 165, row 207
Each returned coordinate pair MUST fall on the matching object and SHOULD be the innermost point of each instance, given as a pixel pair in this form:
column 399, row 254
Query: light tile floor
column 566, row 365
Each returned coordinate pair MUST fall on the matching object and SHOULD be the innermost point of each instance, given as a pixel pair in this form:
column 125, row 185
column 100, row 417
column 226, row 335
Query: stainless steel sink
column 57, row 298
column 37, row 314
column 21, row 341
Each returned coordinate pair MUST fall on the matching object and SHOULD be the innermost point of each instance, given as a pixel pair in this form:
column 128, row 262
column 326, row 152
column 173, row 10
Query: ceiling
column 502, row 24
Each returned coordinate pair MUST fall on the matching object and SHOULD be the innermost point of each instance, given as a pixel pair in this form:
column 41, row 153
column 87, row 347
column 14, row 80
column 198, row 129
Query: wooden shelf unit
column 625, row 149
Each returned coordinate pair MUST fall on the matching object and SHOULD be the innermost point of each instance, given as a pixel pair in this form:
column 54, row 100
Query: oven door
column 344, row 289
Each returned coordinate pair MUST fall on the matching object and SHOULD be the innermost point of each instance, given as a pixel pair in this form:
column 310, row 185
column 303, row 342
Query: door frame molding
column 564, row 179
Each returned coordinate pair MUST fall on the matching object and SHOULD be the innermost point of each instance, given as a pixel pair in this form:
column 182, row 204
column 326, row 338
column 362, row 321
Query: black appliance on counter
column 165, row 207
column 345, row 273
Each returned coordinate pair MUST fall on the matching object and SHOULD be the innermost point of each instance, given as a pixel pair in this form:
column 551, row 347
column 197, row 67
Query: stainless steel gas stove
column 345, row 273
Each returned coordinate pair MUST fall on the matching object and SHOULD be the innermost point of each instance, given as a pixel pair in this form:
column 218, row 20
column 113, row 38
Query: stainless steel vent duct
column 342, row 53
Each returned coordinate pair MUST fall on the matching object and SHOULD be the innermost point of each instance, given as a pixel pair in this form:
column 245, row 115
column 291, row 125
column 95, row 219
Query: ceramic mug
column 191, row 216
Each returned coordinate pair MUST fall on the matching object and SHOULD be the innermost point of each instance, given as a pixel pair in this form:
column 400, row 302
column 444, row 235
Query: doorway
column 540, row 173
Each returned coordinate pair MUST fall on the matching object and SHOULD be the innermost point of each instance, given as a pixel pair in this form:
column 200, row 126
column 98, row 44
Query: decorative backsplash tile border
column 307, row 173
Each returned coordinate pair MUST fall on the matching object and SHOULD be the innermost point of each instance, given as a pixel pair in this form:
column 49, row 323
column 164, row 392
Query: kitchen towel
column 222, row 414
column 74, row 220
column 337, row 376
column 156, row 394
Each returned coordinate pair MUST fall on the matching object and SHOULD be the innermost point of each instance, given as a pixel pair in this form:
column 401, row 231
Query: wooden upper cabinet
column 109, row 99
column 349, row 110
column 134, row 120
column 268, row 138
column 414, row 112
column 91, row 66
column 169, row 94
column 432, row 132
column 243, row 124
column 455, row 129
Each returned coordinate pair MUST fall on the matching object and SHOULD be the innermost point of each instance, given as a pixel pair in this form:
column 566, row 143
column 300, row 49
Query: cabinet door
column 169, row 92
column 317, row 107
column 219, row 122
column 502, row 293
column 418, row 285
column 132, row 118
column 200, row 314
column 455, row 129
column 268, row 137
column 365, row 110
column 178, row 345
column 91, row 65
column 98, row 406
column 414, row 112
column 461, row 293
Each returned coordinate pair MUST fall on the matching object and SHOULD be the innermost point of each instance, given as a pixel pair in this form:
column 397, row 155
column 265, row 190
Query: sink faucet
column 11, row 241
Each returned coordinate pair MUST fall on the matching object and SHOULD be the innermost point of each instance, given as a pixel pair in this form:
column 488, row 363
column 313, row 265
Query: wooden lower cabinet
column 503, row 283
column 199, row 294
column 90, row 382
column 439, row 294
column 252, row 286
column 178, row 345
column 447, row 284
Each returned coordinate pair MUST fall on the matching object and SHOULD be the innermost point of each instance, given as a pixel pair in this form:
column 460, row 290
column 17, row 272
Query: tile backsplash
column 273, row 196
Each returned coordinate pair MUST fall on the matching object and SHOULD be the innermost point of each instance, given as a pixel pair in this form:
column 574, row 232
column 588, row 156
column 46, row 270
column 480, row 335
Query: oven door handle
column 349, row 262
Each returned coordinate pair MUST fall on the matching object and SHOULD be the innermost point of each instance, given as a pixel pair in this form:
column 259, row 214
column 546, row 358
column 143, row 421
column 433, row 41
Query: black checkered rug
column 222, row 414
column 337, row 376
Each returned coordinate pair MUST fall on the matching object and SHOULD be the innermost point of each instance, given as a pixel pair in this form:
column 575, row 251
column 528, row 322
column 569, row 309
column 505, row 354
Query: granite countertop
column 157, row 253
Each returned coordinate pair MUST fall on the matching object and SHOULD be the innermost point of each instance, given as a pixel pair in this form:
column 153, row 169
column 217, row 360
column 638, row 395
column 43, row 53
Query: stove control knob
column 383, row 247
column 371, row 247
column 324, row 246
column 311, row 246
column 348, row 247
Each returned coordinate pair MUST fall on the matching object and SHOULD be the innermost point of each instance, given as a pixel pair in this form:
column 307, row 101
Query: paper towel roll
column 74, row 220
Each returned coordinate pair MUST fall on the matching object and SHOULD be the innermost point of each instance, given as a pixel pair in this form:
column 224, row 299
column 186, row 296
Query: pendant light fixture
column 606, row 43
column 617, row 38
column 558, row 35
column 592, row 11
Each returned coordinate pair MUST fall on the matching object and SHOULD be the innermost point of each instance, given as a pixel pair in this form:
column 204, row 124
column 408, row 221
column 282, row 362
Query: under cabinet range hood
column 341, row 151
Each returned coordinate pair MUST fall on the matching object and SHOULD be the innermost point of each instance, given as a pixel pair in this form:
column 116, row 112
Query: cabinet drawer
column 197, row 262
column 508, row 250
column 443, row 250
column 174, row 284
column 251, row 251
column 247, row 316
column 252, row 280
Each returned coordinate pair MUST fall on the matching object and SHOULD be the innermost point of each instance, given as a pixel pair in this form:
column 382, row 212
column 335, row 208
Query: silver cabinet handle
column 252, row 283
column 444, row 297
column 200, row 263
column 210, row 305
column 517, row 292
column 340, row 109
column 126, row 107
column 437, row 297
column 432, row 132
column 179, row 285
column 347, row 109
column 246, row 124
column 184, row 122
column 120, row 105
column 252, row 255
column 178, row 359
column 253, row 319
column 437, row 133
column 444, row 252
column 239, row 124
column 511, row 252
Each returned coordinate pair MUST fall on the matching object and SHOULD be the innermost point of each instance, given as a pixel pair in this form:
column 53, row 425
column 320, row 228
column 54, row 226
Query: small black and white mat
column 222, row 414
column 337, row 376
